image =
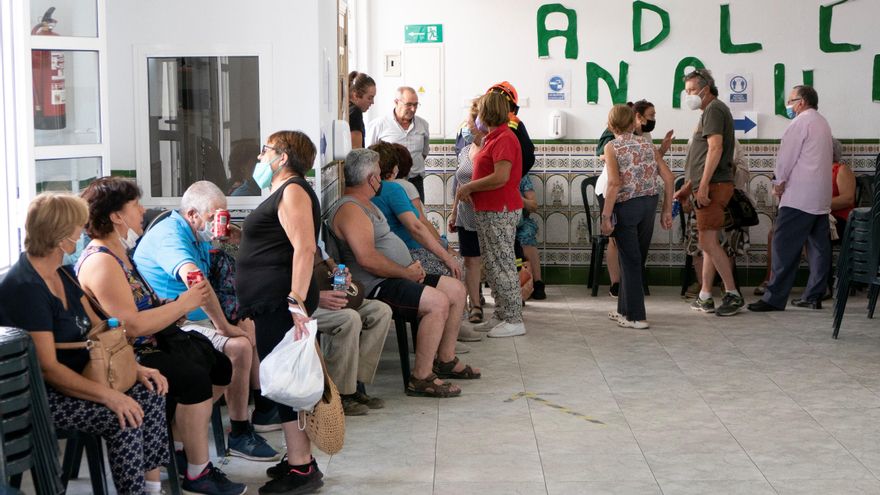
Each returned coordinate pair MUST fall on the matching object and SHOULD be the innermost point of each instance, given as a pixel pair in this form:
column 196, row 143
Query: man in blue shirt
column 169, row 251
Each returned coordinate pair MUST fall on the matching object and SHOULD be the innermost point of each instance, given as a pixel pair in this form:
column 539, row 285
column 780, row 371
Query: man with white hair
column 166, row 254
column 402, row 126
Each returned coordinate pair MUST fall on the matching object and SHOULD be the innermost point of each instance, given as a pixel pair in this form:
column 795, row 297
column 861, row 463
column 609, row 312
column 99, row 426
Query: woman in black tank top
column 274, row 275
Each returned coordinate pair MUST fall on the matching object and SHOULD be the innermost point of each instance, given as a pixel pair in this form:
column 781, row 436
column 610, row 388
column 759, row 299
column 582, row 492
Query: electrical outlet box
column 392, row 64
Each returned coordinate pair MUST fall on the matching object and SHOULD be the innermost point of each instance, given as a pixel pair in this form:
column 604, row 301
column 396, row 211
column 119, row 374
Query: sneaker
column 638, row 325
column 731, row 304
column 508, row 330
column 806, row 303
column 251, row 446
column 294, row 482
column 468, row 334
column 614, row 290
column 488, row 324
column 266, row 421
column 351, row 407
column 280, row 469
column 704, row 305
column 614, row 315
column 212, row 481
column 461, row 348
column 371, row 402
column 539, row 294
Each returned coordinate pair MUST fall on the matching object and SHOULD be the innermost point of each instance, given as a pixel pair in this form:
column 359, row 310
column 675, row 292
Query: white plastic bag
column 291, row 374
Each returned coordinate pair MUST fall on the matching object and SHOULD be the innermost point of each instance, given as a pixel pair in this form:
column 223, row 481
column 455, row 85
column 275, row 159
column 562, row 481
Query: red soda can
column 221, row 224
column 194, row 277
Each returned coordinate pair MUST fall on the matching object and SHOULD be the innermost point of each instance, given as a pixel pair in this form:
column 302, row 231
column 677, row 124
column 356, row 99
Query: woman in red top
column 843, row 200
column 494, row 193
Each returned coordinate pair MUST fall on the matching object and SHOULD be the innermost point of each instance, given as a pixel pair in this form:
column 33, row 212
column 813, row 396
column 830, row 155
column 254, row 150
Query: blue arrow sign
column 744, row 124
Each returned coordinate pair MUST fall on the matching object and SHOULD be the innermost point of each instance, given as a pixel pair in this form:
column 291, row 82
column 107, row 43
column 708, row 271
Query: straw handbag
column 325, row 425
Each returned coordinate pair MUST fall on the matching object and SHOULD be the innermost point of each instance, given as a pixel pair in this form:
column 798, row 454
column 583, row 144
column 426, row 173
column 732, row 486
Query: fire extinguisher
column 48, row 67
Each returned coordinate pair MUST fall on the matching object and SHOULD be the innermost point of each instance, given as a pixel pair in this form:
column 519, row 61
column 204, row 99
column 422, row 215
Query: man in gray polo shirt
column 403, row 127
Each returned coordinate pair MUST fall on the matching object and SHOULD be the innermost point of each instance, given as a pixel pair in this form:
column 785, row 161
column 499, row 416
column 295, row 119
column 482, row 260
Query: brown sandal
column 445, row 370
column 427, row 388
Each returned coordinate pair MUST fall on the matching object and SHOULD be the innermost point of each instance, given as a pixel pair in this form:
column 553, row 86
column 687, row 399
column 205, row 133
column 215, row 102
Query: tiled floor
column 752, row 404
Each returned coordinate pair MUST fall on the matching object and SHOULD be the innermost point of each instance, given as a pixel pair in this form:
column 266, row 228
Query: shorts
column 189, row 382
column 206, row 328
column 711, row 217
column 468, row 243
column 527, row 232
column 403, row 295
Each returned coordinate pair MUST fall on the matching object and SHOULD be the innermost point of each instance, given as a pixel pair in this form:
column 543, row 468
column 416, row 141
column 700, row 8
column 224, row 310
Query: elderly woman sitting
column 40, row 296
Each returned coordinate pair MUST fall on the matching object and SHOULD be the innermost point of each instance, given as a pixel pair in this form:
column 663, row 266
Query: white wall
column 488, row 41
column 292, row 31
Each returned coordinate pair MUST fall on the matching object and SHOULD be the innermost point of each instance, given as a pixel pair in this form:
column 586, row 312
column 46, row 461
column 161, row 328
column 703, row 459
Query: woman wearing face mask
column 361, row 92
column 634, row 179
column 645, row 121
column 41, row 297
column 274, row 280
column 107, row 272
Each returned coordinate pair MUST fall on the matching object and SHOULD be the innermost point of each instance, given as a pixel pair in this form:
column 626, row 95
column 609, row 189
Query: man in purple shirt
column 803, row 184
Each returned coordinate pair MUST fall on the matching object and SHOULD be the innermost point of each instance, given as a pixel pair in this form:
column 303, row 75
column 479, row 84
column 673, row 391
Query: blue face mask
column 466, row 135
column 72, row 257
column 263, row 173
column 789, row 110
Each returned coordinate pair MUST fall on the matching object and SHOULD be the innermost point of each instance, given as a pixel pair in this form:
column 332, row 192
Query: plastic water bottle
column 676, row 208
column 339, row 277
column 112, row 322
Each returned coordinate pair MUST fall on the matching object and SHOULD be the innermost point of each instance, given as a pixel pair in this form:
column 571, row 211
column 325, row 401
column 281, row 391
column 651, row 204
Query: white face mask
column 130, row 239
column 693, row 101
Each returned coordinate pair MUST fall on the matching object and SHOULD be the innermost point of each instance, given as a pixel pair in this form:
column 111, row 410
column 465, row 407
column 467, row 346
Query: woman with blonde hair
column 635, row 170
column 42, row 297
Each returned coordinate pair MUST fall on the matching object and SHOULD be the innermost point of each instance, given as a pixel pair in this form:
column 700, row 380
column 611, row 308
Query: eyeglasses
column 411, row 105
column 794, row 100
column 267, row 147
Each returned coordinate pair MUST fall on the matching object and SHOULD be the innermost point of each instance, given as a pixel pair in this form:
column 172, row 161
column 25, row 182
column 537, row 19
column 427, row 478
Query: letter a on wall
column 638, row 8
column 678, row 83
column 569, row 33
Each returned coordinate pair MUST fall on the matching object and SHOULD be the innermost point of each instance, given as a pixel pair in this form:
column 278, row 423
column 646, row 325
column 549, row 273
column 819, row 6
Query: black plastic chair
column 683, row 219
column 400, row 323
column 77, row 442
column 598, row 242
column 859, row 259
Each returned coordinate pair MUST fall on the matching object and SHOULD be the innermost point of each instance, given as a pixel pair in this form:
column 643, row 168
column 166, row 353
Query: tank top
column 264, row 266
column 842, row 213
column 386, row 242
column 636, row 166
column 139, row 290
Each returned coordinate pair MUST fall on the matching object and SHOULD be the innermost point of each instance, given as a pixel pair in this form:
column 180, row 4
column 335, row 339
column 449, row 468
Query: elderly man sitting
column 167, row 253
column 381, row 261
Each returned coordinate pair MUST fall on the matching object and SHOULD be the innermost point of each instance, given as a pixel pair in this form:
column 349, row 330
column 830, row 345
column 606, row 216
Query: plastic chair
column 859, row 259
column 598, row 242
column 92, row 444
column 683, row 219
column 403, row 345
column 27, row 433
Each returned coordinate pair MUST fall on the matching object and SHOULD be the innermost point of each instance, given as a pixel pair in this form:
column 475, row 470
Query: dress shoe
column 804, row 303
column 762, row 306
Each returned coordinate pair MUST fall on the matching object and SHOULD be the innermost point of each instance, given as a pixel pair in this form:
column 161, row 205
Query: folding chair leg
column 72, row 459
column 403, row 349
column 872, row 299
column 173, row 475
column 840, row 301
column 95, row 458
column 219, row 434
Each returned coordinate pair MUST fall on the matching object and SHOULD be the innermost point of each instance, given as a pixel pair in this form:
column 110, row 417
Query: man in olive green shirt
column 710, row 178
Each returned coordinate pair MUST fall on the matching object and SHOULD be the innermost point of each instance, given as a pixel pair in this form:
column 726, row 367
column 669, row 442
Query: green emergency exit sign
column 423, row 33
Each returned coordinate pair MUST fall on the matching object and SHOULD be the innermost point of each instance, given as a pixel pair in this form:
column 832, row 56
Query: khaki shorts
column 711, row 217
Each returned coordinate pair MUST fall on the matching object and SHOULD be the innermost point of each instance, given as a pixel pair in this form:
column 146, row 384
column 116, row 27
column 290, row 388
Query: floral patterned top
column 139, row 290
column 639, row 174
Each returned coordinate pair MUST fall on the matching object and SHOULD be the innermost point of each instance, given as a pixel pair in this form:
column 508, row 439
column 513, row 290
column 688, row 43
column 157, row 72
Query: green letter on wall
column 618, row 90
column 569, row 33
column 875, row 91
column 727, row 45
column 678, row 84
column 825, row 43
column 638, row 7
column 782, row 91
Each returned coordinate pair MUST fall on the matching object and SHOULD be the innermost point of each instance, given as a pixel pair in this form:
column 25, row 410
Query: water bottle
column 339, row 279
column 112, row 322
column 676, row 208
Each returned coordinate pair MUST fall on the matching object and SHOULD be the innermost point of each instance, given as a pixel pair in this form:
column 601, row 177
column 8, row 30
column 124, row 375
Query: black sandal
column 445, row 370
column 476, row 315
column 418, row 387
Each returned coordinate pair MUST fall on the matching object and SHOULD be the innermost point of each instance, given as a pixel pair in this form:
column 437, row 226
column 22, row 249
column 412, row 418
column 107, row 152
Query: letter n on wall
column 618, row 89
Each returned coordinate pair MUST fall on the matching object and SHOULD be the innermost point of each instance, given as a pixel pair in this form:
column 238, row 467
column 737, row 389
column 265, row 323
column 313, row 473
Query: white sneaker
column 488, row 324
column 508, row 330
column 613, row 315
column 461, row 348
column 638, row 325
column 468, row 334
